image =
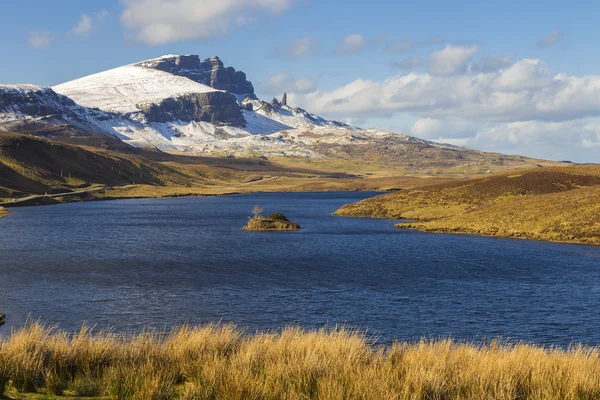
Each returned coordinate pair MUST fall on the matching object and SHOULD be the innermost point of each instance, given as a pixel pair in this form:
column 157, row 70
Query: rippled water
column 155, row 263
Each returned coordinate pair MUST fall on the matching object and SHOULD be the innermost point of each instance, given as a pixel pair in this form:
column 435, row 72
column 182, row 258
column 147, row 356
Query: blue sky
column 356, row 61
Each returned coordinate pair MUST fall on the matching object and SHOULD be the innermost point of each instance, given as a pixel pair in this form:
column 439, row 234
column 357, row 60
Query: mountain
column 180, row 103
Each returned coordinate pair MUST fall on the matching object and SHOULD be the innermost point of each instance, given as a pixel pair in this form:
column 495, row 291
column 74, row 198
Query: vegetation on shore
column 557, row 204
column 219, row 362
column 3, row 212
column 275, row 222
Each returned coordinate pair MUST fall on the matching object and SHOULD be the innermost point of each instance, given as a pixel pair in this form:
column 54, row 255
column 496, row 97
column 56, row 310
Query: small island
column 275, row 222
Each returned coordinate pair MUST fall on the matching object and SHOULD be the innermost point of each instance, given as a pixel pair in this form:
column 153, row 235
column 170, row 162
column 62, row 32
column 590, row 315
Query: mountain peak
column 210, row 72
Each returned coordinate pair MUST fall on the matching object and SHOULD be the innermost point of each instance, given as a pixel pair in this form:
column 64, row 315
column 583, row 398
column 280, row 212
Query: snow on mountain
column 123, row 89
column 180, row 103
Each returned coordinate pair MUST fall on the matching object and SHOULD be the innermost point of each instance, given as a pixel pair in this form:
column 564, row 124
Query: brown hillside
column 561, row 203
column 570, row 216
column 31, row 165
column 449, row 198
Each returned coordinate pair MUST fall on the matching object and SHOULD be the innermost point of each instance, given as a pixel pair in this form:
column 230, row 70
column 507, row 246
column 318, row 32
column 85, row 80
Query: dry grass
column 271, row 184
column 558, row 204
column 572, row 216
column 218, row 362
column 3, row 212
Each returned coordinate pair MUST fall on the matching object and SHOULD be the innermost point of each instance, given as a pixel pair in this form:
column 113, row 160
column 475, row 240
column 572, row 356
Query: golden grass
column 572, row 216
column 219, row 362
column 557, row 204
column 3, row 212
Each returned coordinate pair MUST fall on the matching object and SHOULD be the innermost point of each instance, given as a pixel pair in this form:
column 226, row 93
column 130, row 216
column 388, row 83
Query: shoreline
column 42, row 201
column 466, row 232
column 4, row 212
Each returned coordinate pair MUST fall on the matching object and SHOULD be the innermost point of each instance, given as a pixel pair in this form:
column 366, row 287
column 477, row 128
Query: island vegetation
column 556, row 204
column 221, row 362
column 275, row 222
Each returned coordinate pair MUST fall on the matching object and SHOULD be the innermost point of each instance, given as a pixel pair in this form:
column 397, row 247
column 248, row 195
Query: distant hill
column 560, row 203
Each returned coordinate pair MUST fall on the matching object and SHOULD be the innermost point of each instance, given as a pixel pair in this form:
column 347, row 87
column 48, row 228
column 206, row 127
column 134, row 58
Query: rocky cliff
column 34, row 101
column 210, row 72
column 218, row 108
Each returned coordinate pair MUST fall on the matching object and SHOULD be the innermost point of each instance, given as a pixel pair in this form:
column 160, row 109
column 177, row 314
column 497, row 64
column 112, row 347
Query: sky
column 516, row 77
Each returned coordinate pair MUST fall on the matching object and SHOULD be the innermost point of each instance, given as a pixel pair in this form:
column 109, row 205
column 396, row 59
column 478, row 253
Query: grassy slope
column 31, row 165
column 560, row 203
column 572, row 216
column 218, row 362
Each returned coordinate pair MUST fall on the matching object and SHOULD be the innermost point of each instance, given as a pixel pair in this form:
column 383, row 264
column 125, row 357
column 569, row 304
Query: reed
column 221, row 362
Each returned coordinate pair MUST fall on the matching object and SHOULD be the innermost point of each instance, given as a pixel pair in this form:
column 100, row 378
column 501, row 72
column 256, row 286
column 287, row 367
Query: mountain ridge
column 178, row 103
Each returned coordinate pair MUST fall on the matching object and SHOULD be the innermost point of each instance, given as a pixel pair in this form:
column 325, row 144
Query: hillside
column 559, row 204
column 36, row 170
column 31, row 165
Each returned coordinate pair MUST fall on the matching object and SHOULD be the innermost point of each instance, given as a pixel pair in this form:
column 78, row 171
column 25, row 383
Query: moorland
column 556, row 204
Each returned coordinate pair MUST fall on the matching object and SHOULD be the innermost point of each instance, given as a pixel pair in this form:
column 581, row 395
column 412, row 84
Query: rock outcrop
column 34, row 101
column 210, row 72
column 218, row 108
column 31, row 109
column 275, row 102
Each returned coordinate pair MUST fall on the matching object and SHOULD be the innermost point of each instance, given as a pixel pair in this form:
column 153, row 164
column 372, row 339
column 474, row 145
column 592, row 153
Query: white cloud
column 569, row 140
column 430, row 128
column 550, row 39
column 87, row 23
column 297, row 48
column 352, row 44
column 576, row 140
column 281, row 82
column 156, row 22
column 452, row 60
column 525, row 91
column 40, row 40
column 523, row 75
column 84, row 26
column 521, row 108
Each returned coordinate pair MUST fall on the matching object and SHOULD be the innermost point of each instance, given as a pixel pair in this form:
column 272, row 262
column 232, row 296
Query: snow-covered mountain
column 183, row 104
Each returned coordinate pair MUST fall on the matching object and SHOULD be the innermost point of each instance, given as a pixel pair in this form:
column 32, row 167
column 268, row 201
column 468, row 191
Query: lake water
column 134, row 264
